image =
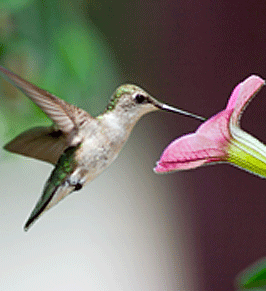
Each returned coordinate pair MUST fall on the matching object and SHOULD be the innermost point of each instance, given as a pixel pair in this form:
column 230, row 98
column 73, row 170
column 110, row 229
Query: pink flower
column 220, row 139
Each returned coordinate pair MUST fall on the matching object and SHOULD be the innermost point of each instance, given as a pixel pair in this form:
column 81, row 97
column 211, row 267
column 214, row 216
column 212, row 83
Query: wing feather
column 66, row 116
column 42, row 143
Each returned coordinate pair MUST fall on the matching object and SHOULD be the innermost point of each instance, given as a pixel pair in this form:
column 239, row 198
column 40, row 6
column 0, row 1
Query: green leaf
column 254, row 277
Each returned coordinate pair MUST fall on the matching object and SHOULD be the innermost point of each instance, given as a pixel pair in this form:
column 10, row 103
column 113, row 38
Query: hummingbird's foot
column 74, row 182
column 78, row 186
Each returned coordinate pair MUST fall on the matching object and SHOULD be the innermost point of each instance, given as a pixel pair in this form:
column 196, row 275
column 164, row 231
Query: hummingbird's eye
column 140, row 98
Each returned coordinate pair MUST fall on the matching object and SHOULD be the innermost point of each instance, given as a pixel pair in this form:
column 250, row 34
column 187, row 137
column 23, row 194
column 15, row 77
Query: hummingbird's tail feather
column 42, row 143
column 57, row 186
column 50, row 197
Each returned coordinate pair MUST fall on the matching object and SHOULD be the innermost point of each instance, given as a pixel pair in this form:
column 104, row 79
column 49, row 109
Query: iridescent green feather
column 125, row 89
column 65, row 166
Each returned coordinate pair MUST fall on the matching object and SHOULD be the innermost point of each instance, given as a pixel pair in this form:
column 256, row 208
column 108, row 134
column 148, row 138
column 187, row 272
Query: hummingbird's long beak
column 176, row 110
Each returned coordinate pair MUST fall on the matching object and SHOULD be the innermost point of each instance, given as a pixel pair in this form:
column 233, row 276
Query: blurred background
column 131, row 229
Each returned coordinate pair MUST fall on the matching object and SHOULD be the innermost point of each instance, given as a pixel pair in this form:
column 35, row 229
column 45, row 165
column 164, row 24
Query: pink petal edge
column 242, row 95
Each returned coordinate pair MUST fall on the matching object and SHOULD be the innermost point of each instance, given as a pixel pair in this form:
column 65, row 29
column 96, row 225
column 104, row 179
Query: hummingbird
column 78, row 145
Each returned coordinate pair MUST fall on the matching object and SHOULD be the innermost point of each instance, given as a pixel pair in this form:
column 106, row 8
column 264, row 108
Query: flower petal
column 242, row 94
column 217, row 127
column 207, row 145
column 190, row 151
column 220, row 139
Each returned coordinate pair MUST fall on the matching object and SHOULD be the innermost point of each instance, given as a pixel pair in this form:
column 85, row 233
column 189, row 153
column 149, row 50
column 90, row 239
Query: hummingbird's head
column 134, row 102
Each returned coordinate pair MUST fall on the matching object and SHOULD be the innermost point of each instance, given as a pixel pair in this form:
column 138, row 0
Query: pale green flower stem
column 247, row 152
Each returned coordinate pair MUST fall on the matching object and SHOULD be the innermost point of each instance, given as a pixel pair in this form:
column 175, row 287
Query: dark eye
column 140, row 98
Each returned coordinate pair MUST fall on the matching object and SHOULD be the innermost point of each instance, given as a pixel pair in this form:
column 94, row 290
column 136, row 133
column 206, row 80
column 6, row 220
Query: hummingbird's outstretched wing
column 47, row 143
column 66, row 116
column 42, row 143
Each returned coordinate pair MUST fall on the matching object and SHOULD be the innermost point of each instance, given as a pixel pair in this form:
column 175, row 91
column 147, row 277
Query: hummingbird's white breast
column 103, row 138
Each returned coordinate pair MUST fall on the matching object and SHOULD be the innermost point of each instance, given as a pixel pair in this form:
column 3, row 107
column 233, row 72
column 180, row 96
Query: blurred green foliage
column 55, row 46
column 253, row 277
